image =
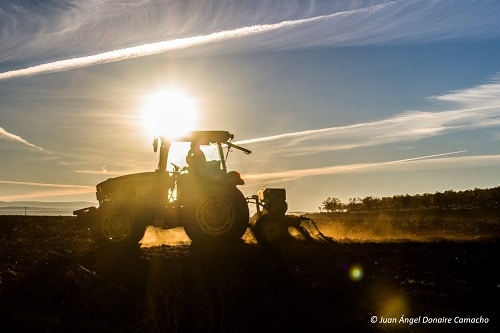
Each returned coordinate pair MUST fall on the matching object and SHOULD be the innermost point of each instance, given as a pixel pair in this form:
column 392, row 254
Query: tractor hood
column 134, row 177
column 130, row 186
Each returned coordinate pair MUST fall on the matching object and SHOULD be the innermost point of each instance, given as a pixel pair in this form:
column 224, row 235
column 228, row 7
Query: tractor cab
column 199, row 150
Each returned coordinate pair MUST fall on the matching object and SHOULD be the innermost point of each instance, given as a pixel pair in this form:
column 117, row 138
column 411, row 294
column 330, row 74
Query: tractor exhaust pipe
column 164, row 148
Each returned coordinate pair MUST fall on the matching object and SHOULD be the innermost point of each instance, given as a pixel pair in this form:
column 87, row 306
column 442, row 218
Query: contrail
column 288, row 135
column 406, row 126
column 17, row 138
column 427, row 156
column 300, row 173
column 171, row 45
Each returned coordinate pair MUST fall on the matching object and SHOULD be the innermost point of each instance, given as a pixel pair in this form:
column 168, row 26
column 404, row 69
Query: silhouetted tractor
column 205, row 200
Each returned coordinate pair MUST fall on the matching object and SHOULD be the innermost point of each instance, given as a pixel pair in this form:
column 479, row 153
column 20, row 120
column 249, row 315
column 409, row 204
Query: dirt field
column 410, row 274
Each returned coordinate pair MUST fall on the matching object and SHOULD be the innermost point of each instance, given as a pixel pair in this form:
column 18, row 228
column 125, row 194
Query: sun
column 170, row 113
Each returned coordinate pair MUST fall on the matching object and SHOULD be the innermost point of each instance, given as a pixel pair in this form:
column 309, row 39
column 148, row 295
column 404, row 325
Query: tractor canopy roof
column 207, row 137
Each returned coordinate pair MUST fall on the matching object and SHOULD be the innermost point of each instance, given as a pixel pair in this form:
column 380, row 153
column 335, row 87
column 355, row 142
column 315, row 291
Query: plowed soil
column 53, row 278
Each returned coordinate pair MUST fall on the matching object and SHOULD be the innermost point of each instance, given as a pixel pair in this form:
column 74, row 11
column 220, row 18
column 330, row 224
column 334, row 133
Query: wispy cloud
column 166, row 46
column 429, row 162
column 409, row 127
column 481, row 109
column 11, row 182
column 481, row 95
column 388, row 22
column 41, row 195
column 52, row 190
column 16, row 138
column 406, row 127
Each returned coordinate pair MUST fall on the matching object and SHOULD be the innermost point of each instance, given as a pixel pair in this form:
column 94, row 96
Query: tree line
column 450, row 199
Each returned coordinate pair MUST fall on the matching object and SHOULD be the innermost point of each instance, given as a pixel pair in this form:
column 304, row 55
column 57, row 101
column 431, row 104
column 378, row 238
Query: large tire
column 216, row 216
column 116, row 227
column 269, row 230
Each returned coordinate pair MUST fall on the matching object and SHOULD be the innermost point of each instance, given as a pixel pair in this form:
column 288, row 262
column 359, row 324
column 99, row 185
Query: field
column 372, row 272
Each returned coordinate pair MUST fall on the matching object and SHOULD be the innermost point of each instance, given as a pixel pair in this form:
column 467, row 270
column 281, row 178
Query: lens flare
column 356, row 272
column 393, row 306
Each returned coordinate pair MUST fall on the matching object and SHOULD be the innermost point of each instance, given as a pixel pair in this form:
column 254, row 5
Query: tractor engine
column 268, row 224
column 273, row 201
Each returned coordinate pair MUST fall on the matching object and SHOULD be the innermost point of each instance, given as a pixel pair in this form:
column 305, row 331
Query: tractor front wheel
column 116, row 227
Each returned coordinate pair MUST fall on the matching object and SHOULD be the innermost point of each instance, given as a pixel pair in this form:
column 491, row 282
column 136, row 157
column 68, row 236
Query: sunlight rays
column 409, row 126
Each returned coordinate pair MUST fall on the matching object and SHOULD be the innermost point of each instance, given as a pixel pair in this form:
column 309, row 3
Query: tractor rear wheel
column 217, row 216
column 116, row 227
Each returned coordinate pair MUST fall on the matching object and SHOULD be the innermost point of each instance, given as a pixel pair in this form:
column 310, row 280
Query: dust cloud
column 156, row 237
column 365, row 228
column 386, row 228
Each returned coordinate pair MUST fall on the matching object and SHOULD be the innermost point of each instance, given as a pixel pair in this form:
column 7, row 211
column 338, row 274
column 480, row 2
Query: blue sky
column 335, row 98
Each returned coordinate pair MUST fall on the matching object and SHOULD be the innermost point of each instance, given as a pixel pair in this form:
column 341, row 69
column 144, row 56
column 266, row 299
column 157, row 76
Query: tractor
column 202, row 197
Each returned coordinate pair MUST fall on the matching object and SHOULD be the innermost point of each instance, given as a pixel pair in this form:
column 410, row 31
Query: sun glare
column 170, row 113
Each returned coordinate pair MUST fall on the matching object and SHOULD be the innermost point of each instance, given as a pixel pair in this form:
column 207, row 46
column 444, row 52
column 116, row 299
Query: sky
column 343, row 99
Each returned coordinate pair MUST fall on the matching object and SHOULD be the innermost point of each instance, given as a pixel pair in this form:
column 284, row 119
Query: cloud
column 484, row 94
column 410, row 126
column 16, row 138
column 55, row 190
column 480, row 110
column 159, row 47
column 46, row 194
column 406, row 127
column 45, row 184
column 51, row 26
column 379, row 23
column 429, row 162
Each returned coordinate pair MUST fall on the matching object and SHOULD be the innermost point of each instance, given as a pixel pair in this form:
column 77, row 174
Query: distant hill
column 44, row 204
column 42, row 207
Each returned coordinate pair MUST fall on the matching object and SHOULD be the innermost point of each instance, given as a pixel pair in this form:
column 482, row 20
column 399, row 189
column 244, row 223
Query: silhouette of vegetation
column 450, row 199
